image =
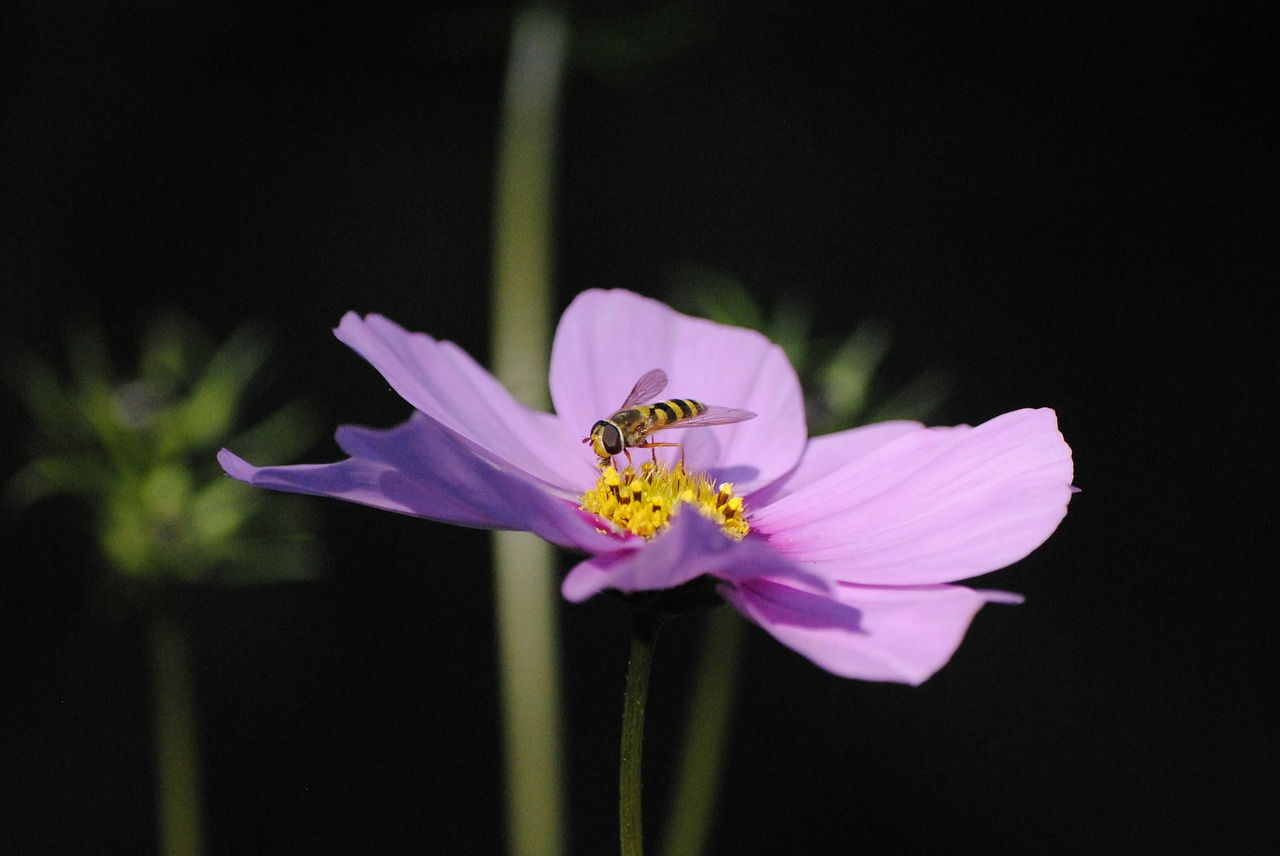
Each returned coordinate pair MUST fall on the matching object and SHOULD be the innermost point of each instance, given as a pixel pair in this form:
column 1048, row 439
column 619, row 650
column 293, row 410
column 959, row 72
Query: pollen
column 645, row 502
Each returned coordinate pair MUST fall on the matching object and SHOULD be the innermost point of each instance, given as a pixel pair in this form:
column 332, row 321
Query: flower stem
column 179, row 825
column 525, row 586
column 644, row 632
column 528, row 640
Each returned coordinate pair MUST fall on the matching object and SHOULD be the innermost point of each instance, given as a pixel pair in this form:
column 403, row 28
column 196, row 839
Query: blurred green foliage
column 139, row 452
column 837, row 373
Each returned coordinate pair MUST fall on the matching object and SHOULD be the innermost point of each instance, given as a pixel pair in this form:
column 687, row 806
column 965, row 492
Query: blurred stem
column 525, row 590
column 178, row 798
column 528, row 650
column 715, row 689
column 644, row 632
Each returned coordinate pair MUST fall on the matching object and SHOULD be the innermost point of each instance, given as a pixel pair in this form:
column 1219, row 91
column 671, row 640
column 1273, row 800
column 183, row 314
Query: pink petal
column 607, row 339
column 423, row 469
column 832, row 451
column 873, row 634
column 442, row 381
column 934, row 505
column 691, row 547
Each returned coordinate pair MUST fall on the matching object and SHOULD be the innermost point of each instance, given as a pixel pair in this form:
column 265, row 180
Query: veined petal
column 444, row 382
column 874, row 634
column 608, row 339
column 691, row 547
column 932, row 506
column 423, row 469
column 829, row 452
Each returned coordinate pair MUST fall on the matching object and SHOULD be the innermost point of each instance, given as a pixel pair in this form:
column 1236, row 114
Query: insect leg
column 652, row 446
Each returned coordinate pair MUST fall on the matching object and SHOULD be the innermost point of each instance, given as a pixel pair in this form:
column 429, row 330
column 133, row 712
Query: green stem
column 528, row 639
column 644, row 632
column 178, row 810
column 715, row 686
column 524, row 202
column 526, row 592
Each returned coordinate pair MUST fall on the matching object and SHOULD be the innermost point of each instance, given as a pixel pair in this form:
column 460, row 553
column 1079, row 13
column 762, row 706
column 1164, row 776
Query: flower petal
column 934, row 505
column 607, row 339
column 874, row 634
column 691, row 547
column 444, row 382
column 832, row 451
column 423, row 469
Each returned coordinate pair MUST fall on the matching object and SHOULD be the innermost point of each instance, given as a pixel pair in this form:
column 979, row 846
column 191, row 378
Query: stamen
column 645, row 502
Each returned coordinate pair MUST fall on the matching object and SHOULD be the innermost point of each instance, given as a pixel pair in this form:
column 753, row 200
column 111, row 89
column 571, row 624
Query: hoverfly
column 629, row 427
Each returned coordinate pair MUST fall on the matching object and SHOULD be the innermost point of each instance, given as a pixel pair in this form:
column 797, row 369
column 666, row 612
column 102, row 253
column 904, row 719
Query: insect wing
column 647, row 388
column 714, row 415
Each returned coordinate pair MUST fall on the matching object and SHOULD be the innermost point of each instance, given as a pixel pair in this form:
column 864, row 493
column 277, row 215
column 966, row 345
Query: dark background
column 1058, row 204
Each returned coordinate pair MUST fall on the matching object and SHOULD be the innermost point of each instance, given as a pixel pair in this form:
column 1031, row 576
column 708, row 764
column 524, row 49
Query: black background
column 1061, row 205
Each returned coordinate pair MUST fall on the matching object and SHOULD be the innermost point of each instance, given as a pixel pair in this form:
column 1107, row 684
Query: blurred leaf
column 844, row 382
column 792, row 328
column 91, row 369
column 716, row 295
column 205, row 416
column 285, row 434
column 171, row 346
column 41, row 391
column 80, row 475
column 219, row 510
column 919, row 399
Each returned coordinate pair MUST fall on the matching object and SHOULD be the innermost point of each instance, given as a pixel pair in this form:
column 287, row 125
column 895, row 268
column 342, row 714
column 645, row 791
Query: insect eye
column 612, row 438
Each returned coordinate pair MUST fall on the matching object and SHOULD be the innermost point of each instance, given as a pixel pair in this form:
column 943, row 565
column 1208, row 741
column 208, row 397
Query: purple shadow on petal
column 902, row 634
column 805, row 609
column 423, row 469
column 739, row 474
column 441, row 380
column 691, row 547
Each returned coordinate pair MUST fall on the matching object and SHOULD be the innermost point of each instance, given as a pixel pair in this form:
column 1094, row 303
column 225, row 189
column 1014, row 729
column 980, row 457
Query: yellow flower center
column 645, row 502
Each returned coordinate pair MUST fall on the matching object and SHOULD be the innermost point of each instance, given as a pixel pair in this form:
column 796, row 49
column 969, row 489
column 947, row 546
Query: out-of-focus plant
column 138, row 451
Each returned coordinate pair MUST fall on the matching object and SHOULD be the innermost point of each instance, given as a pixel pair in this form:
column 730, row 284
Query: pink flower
column 854, row 537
